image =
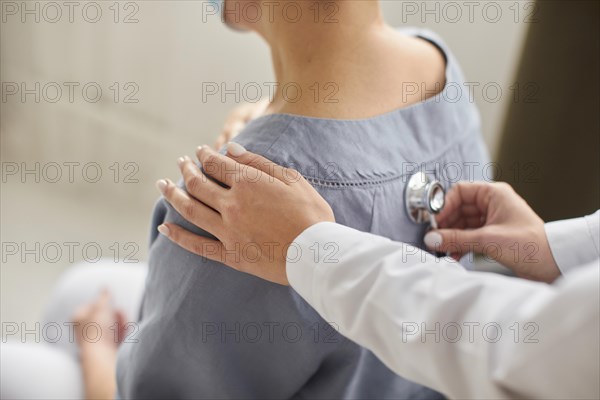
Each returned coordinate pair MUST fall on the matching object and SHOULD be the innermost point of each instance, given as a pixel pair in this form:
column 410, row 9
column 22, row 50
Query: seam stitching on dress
column 343, row 184
column 279, row 137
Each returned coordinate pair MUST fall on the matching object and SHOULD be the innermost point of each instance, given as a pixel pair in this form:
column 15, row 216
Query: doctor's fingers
column 219, row 167
column 463, row 218
column 287, row 175
column 457, row 241
column 191, row 209
column 200, row 245
column 200, row 186
column 225, row 169
column 465, row 200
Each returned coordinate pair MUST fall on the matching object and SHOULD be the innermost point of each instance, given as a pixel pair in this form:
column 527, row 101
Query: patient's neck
column 322, row 35
column 326, row 46
column 350, row 69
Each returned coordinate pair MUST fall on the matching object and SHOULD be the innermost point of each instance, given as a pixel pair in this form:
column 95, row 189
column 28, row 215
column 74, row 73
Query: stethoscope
column 424, row 198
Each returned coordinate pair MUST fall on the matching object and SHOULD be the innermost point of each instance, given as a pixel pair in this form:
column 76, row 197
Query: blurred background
column 99, row 100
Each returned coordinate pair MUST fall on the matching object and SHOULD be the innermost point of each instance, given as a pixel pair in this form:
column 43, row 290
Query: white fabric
column 82, row 283
column 574, row 242
column 49, row 368
column 405, row 305
column 38, row 371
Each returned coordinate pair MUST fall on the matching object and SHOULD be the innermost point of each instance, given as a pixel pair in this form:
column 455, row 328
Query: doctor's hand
column 255, row 218
column 492, row 219
column 238, row 118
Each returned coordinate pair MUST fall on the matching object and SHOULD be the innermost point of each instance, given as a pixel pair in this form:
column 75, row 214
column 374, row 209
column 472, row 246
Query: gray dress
column 207, row 331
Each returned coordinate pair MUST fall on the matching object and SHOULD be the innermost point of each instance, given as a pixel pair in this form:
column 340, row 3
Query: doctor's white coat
column 465, row 334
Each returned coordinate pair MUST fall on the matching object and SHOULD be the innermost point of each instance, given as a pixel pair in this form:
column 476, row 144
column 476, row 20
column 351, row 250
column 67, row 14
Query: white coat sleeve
column 465, row 334
column 574, row 242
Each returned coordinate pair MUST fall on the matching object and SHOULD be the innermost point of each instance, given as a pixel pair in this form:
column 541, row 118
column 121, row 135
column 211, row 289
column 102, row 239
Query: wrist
column 537, row 262
column 88, row 348
column 98, row 363
column 549, row 270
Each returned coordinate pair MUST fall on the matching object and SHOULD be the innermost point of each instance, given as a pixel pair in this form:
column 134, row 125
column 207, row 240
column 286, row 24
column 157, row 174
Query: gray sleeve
column 213, row 332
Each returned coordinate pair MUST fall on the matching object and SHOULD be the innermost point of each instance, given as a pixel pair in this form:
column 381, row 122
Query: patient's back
column 207, row 331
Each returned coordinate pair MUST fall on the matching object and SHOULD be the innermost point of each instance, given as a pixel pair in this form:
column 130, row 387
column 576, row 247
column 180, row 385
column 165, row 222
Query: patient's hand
column 99, row 324
column 99, row 330
column 238, row 118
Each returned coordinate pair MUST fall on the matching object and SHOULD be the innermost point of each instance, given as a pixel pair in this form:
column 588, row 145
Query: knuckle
column 211, row 159
column 188, row 210
column 505, row 187
column 253, row 160
column 198, row 248
column 210, row 162
column 232, row 209
column 193, row 183
column 291, row 175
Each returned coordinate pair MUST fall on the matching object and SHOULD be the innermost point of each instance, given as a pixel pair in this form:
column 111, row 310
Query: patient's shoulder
column 396, row 70
column 428, row 61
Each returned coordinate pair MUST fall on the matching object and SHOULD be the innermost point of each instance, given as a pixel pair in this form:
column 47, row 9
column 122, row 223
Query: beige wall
column 167, row 54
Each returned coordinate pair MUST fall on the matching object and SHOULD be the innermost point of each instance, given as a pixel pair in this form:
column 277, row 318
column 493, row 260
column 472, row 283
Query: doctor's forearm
column 386, row 295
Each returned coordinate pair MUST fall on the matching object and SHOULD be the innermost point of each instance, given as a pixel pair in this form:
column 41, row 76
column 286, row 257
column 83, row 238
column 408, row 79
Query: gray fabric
column 360, row 168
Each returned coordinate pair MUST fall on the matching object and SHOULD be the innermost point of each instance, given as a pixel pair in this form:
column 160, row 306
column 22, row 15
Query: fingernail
column 180, row 161
column 433, row 240
column 161, row 185
column 235, row 149
column 163, row 229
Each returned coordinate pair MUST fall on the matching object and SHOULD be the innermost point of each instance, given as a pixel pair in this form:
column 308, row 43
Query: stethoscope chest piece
column 424, row 198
